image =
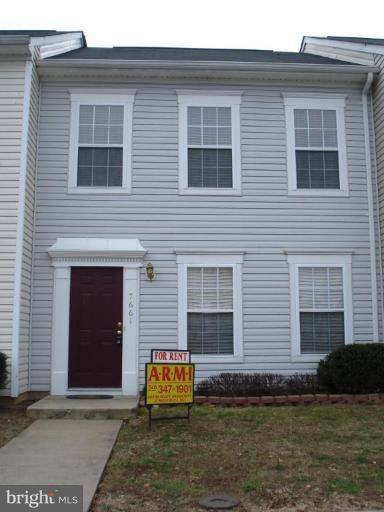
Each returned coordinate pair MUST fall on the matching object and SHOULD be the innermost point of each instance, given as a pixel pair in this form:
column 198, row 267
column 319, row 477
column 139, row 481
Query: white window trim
column 124, row 99
column 301, row 260
column 234, row 261
column 336, row 103
column 230, row 99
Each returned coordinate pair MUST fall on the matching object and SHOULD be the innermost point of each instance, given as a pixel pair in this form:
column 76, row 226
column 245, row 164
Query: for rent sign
column 170, row 356
column 169, row 383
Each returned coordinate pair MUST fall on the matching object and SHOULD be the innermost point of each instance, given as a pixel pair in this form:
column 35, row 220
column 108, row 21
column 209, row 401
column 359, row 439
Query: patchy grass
column 298, row 458
column 12, row 422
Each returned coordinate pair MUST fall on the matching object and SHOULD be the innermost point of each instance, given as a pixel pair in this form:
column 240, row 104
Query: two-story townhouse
column 245, row 178
column 370, row 52
column 19, row 104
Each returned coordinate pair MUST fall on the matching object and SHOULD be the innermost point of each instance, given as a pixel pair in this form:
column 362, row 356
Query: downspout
column 371, row 220
column 20, row 233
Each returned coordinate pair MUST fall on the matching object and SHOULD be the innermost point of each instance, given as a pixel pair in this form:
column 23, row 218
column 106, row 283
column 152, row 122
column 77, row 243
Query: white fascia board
column 333, row 43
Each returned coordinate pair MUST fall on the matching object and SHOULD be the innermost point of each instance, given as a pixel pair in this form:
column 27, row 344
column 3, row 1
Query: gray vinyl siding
column 11, row 119
column 264, row 221
column 378, row 109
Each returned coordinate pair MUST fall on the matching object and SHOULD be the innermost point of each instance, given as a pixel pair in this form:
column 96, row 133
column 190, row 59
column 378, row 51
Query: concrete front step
column 116, row 408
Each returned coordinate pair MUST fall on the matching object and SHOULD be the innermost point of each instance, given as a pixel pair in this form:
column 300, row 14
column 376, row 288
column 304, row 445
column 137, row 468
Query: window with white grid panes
column 316, row 146
column 100, row 151
column 210, row 310
column 209, row 147
column 321, row 309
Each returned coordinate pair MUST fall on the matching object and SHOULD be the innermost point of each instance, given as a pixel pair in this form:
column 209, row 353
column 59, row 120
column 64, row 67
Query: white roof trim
column 97, row 247
column 348, row 45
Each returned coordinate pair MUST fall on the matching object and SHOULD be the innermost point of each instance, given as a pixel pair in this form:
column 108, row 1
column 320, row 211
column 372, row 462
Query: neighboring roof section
column 48, row 42
column 359, row 50
column 36, row 33
column 195, row 54
column 361, row 40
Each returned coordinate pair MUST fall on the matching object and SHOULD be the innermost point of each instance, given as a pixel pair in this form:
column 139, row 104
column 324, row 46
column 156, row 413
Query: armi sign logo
column 33, row 497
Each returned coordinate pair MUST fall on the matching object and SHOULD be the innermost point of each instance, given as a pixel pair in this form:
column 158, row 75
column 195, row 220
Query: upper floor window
column 209, row 143
column 316, row 146
column 100, row 153
column 321, row 304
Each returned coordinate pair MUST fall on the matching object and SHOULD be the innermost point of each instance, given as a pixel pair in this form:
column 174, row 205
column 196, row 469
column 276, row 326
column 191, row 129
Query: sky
column 252, row 24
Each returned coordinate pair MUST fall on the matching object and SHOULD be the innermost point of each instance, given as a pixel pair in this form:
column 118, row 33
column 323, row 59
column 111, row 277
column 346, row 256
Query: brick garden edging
column 289, row 400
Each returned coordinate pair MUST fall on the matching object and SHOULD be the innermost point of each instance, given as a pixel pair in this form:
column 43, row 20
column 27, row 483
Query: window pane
column 100, row 156
column 194, row 116
column 86, row 114
column 209, row 135
column 100, row 167
column 330, row 138
column 85, row 156
column 316, row 138
column 100, row 134
column 209, row 126
column 86, row 134
column 329, row 119
column 195, row 168
column 315, row 128
column 210, row 333
column 210, row 288
column 210, row 168
column 101, row 114
column 210, row 116
column 317, row 169
column 115, row 157
column 224, row 116
column 321, row 332
column 100, row 177
column 84, row 176
column 116, row 134
column 321, row 288
column 115, row 177
column 301, row 138
column 101, row 124
column 116, row 115
column 225, row 136
column 315, row 119
column 301, row 118
column 194, row 135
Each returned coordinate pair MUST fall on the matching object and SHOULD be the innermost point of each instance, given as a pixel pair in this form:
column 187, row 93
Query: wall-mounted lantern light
column 150, row 271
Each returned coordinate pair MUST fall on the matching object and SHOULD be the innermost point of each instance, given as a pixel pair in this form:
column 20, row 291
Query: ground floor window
column 210, row 318
column 321, row 304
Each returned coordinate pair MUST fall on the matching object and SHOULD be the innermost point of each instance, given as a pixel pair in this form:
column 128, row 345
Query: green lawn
column 324, row 458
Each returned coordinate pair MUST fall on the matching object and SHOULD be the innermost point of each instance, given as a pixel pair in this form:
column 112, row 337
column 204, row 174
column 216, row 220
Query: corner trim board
column 20, row 231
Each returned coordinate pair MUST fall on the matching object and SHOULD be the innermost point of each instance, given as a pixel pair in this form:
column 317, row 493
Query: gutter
column 20, row 232
column 219, row 65
column 372, row 240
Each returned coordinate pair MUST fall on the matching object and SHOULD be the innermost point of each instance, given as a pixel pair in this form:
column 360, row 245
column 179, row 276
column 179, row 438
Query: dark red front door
column 96, row 309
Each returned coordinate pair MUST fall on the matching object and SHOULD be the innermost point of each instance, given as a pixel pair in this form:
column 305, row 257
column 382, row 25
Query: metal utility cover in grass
column 219, row 502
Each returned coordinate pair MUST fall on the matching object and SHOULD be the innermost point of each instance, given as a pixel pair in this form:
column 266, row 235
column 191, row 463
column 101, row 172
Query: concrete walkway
column 60, row 452
column 117, row 408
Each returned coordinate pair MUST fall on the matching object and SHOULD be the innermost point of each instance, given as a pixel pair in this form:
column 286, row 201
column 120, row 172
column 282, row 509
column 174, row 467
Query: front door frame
column 63, row 258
